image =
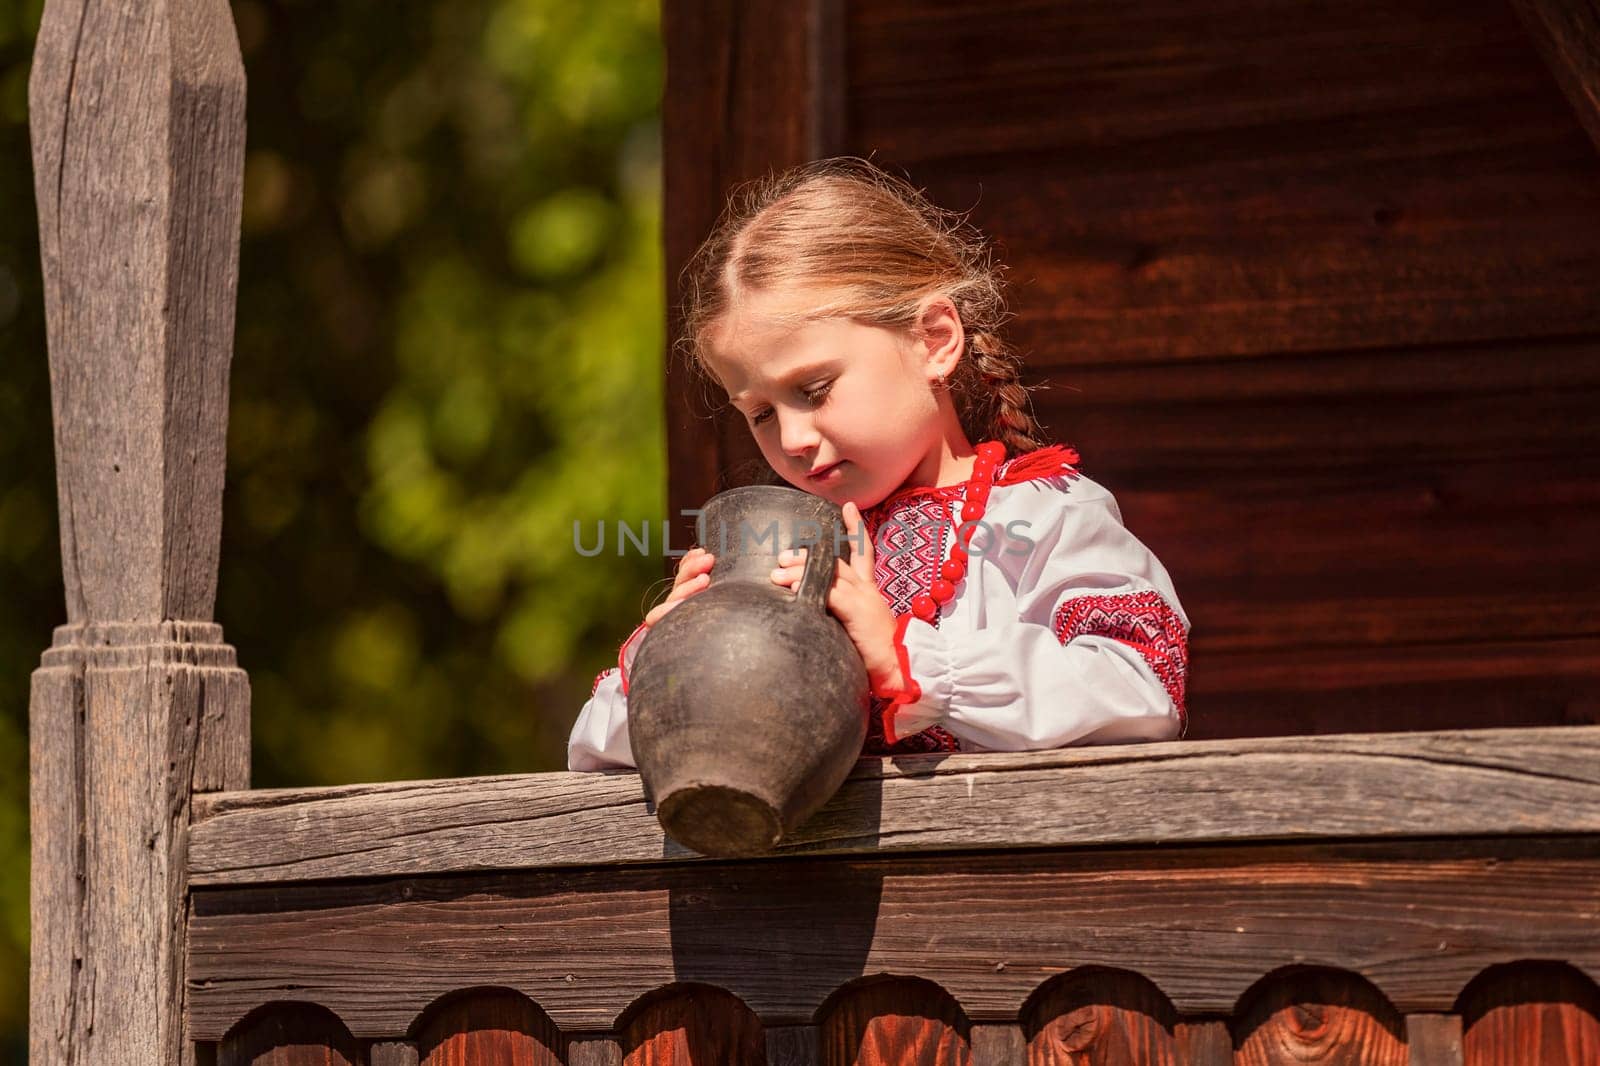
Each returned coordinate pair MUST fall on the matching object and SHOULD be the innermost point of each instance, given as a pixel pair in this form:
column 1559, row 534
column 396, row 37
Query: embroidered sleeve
column 1145, row 622
column 1072, row 634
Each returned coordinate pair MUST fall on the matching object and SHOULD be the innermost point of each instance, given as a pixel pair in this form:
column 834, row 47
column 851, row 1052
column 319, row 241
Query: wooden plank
column 490, row 1026
column 689, row 1026
column 1567, row 35
column 393, row 1053
column 1280, row 179
column 1434, row 1039
column 290, row 1035
column 1417, row 432
column 1205, row 1043
column 751, row 87
column 1514, row 782
column 1321, row 1016
column 55, row 891
column 792, row 1045
column 593, row 1051
column 1531, row 1012
column 1418, row 918
column 1323, row 669
column 902, row 1021
column 1499, row 686
column 1107, row 1016
column 998, row 1044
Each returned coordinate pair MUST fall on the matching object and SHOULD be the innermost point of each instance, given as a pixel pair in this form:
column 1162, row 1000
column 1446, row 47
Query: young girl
column 1000, row 604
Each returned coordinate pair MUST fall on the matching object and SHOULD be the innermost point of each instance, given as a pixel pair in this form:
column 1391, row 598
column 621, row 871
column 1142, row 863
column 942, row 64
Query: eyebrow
column 797, row 374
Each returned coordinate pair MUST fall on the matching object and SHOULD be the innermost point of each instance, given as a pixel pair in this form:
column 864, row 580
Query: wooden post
column 137, row 115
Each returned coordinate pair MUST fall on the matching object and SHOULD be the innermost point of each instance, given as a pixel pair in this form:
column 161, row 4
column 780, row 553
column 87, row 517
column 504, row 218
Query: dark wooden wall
column 1314, row 288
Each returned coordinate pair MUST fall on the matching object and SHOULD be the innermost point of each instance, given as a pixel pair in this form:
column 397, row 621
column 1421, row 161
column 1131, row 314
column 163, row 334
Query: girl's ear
column 943, row 338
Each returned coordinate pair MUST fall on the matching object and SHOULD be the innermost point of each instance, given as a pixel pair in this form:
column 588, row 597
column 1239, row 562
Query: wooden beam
column 1567, row 35
column 1492, row 781
column 137, row 119
column 1418, row 919
column 752, row 86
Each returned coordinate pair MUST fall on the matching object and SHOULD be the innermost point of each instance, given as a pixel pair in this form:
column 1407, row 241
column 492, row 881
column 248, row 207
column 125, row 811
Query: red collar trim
column 1056, row 460
column 1050, row 461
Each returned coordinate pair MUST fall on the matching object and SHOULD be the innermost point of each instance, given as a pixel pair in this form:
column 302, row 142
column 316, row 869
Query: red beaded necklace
column 926, row 605
column 990, row 455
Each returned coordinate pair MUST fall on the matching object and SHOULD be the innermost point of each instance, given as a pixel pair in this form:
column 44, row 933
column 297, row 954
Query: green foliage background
column 449, row 348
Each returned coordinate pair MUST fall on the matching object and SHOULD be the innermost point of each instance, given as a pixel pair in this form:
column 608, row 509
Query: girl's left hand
column 854, row 600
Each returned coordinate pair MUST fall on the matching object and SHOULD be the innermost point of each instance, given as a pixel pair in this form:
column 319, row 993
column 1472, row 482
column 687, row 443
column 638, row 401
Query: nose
column 797, row 434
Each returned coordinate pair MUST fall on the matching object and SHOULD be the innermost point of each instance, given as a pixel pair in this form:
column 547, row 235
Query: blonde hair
column 871, row 247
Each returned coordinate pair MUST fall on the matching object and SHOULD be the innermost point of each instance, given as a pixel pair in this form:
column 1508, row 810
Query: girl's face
column 841, row 410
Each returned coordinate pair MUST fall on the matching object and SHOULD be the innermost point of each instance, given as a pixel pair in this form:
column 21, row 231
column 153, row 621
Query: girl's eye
column 813, row 396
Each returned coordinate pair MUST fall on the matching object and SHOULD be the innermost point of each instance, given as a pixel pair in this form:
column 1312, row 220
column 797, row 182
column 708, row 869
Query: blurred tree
column 449, row 350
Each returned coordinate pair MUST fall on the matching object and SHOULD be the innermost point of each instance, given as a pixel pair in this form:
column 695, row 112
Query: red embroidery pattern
column 932, row 739
column 908, row 543
column 908, row 555
column 1143, row 621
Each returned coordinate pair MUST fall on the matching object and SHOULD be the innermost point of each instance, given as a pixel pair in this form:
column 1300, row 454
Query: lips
column 822, row 471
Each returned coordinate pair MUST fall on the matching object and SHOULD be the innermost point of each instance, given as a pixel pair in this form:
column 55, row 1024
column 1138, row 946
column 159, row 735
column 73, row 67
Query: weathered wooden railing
column 1357, row 896
column 1407, row 898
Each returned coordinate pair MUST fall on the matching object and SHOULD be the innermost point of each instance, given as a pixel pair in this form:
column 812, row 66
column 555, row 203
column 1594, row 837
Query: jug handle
column 819, row 572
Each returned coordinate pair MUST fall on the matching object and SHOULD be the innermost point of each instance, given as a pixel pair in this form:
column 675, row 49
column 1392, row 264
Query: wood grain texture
column 56, row 881
column 1417, row 918
column 998, row 1044
column 1531, row 1014
column 1096, row 1017
column 1195, row 181
column 1205, row 1043
column 593, row 1051
column 290, row 1035
column 1567, row 35
column 752, row 87
column 393, row 1053
column 1484, row 781
column 137, row 121
column 1308, row 1015
column 492, row 1026
column 140, row 276
column 1433, row 1040
column 689, row 1026
column 894, row 1021
column 128, row 722
column 1282, row 265
column 792, row 1045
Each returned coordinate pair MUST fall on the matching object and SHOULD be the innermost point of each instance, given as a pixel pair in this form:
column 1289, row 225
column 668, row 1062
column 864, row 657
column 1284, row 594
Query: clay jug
column 747, row 703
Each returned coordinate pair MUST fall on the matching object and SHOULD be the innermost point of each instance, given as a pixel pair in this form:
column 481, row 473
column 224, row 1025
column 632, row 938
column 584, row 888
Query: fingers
column 695, row 561
column 860, row 542
column 694, row 575
column 791, row 566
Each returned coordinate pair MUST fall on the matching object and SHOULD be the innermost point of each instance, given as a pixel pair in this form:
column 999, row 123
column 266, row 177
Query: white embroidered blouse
column 1066, row 629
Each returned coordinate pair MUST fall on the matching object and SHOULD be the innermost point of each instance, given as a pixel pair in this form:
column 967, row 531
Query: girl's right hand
column 694, row 575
